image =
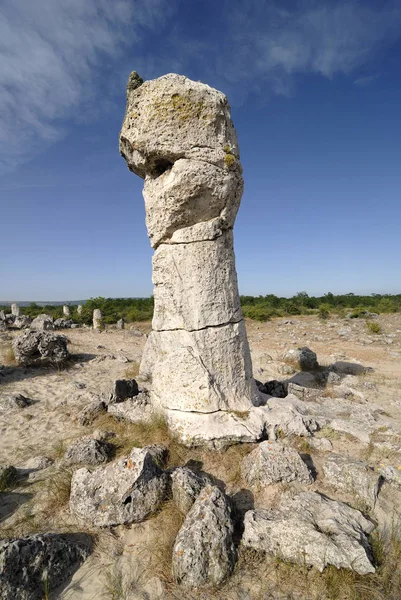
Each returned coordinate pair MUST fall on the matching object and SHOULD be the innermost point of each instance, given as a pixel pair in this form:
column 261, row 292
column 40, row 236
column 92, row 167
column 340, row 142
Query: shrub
column 373, row 327
column 324, row 311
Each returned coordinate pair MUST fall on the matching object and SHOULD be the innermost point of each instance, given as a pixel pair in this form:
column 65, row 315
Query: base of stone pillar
column 216, row 430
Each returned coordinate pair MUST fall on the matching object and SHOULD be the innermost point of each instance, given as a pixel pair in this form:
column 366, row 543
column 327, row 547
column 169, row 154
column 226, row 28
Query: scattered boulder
column 204, row 553
column 272, row 462
column 40, row 347
column 91, row 411
column 287, row 416
column 126, row 491
column 26, row 562
column 133, row 410
column 278, row 389
column 186, row 486
column 63, row 323
column 38, row 463
column 303, row 358
column 22, row 322
column 89, row 451
column 310, row 529
column 159, row 453
column 8, row 475
column 43, row 323
column 121, row 390
column 120, row 324
column 353, row 476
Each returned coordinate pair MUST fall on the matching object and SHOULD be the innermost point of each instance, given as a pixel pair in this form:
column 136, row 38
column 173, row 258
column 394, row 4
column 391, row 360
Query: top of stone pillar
column 173, row 117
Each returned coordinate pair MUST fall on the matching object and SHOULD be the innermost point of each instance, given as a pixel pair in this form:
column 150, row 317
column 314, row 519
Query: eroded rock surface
column 126, row 491
column 272, row 462
column 28, row 563
column 204, row 554
column 353, row 476
column 178, row 136
column 310, row 529
column 40, row 347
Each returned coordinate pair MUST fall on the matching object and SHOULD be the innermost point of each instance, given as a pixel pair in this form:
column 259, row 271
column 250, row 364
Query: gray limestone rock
column 89, row 451
column 15, row 310
column 204, row 553
column 391, row 474
column 63, row 323
column 310, row 529
column 120, row 324
column 126, row 491
column 353, row 476
column 303, row 358
column 28, row 565
column 272, row 462
column 97, row 319
column 22, row 322
column 40, row 347
column 133, row 410
column 91, row 411
column 38, row 463
column 42, row 323
column 66, row 310
column 186, row 486
column 19, row 401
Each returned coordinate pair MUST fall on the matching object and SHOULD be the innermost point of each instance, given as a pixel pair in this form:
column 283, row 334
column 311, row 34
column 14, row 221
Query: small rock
column 42, row 323
column 38, row 463
column 304, row 358
column 159, row 452
column 63, row 323
column 121, row 390
column 322, row 444
column 391, row 474
column 88, row 451
column 134, row 410
column 278, row 389
column 272, row 462
column 22, row 322
column 19, row 401
column 204, row 553
column 186, row 486
column 136, row 332
column 90, row 412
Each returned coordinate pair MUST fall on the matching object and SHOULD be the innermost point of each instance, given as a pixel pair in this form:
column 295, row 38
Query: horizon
column 315, row 91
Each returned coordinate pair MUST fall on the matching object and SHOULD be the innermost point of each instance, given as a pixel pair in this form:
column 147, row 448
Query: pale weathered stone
column 216, row 430
column 40, row 347
column 15, row 310
column 120, row 324
column 272, row 462
column 177, row 134
column 87, row 451
column 22, row 321
column 303, row 358
column 97, row 319
column 391, row 474
column 286, row 416
column 126, row 491
column 42, row 323
column 353, row 476
column 133, row 410
column 29, row 564
column 91, row 411
column 120, row 390
column 66, row 310
column 80, row 309
column 201, row 371
column 310, row 529
column 204, row 553
column 186, row 486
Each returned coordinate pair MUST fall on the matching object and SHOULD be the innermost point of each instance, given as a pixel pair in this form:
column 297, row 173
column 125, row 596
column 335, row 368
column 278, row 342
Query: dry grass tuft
column 57, row 490
column 7, row 357
column 132, row 371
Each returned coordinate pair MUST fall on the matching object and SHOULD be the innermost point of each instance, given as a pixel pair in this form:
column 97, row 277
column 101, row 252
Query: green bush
column 324, row 311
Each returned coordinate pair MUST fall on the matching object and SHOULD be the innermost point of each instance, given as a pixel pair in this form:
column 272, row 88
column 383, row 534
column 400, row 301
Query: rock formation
column 97, row 319
column 15, row 310
column 66, row 310
column 178, row 136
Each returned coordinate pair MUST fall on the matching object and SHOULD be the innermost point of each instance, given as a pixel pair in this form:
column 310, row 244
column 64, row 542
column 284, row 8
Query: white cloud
column 51, row 54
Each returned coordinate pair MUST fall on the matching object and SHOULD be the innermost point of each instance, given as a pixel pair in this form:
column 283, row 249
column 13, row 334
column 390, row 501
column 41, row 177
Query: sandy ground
column 49, row 425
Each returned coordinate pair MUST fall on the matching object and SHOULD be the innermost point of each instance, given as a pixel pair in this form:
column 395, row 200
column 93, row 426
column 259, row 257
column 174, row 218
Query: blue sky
column 315, row 90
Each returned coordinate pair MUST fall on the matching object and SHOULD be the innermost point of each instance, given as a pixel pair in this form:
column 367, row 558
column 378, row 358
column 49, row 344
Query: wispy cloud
column 268, row 46
column 52, row 52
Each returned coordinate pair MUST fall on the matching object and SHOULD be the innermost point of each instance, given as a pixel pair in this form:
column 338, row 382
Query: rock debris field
column 98, row 501
column 200, row 454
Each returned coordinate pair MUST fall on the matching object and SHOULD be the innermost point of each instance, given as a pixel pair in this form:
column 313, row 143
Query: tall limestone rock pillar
column 178, row 136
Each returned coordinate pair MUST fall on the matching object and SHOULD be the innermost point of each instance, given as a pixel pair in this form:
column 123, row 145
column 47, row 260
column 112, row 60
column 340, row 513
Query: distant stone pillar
column 97, row 319
column 121, row 324
column 66, row 310
column 79, row 309
column 15, row 310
